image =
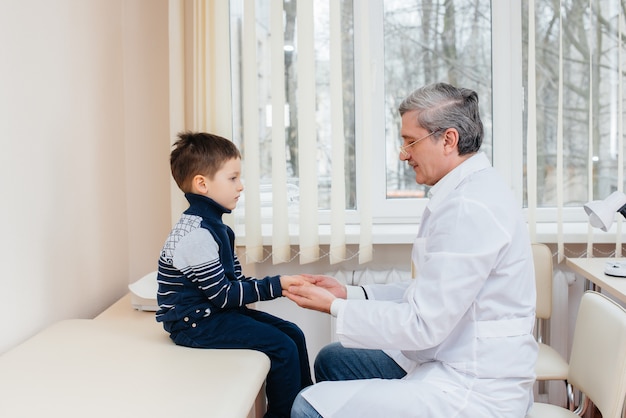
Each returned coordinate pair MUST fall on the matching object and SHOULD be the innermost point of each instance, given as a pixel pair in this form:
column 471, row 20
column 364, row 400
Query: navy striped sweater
column 199, row 272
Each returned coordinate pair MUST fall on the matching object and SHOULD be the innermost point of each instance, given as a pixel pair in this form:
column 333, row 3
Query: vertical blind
column 207, row 77
column 599, row 47
column 211, row 87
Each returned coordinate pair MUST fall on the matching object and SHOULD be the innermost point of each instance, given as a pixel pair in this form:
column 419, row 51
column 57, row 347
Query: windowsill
column 381, row 234
column 575, row 233
column 404, row 233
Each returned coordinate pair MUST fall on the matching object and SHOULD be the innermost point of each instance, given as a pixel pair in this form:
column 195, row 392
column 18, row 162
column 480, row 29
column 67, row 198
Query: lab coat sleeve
column 462, row 242
column 390, row 292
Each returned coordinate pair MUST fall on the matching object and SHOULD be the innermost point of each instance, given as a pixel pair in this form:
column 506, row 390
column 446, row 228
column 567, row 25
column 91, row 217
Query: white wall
column 84, row 144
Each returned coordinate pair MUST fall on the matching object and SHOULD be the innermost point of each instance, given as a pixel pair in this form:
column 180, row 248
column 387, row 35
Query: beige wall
column 84, row 143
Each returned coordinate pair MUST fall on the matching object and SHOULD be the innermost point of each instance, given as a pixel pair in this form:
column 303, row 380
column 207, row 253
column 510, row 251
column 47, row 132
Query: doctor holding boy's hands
column 318, row 293
column 457, row 340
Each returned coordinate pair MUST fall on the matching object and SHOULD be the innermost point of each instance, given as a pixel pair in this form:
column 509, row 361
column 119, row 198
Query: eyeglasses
column 404, row 148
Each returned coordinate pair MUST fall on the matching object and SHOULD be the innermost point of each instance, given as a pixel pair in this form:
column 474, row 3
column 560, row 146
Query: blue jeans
column 282, row 341
column 335, row 362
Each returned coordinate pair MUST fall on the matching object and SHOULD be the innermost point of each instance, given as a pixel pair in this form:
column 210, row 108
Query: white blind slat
column 338, row 189
column 364, row 163
column 531, row 141
column 620, row 132
column 307, row 138
column 559, row 144
column 589, row 250
column 251, row 170
column 281, row 250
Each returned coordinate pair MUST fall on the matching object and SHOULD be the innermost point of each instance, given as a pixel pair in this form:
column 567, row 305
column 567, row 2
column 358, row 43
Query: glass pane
column 590, row 96
column 428, row 41
column 322, row 71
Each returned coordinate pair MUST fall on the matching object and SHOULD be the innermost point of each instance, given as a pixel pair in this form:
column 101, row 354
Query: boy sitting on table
column 202, row 291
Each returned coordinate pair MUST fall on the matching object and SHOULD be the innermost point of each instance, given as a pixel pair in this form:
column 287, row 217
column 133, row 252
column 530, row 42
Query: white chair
column 550, row 364
column 597, row 366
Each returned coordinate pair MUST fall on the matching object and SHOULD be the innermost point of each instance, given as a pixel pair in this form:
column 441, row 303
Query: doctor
column 457, row 341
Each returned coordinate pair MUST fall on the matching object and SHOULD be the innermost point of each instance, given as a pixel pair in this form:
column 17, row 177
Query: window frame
column 507, row 102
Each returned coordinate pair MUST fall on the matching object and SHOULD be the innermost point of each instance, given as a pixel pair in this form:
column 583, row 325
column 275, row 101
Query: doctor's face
column 422, row 150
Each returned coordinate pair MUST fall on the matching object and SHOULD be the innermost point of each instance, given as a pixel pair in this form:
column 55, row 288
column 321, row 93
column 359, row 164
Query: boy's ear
column 199, row 184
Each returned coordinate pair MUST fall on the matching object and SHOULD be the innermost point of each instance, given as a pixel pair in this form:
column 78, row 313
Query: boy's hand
column 286, row 281
column 311, row 297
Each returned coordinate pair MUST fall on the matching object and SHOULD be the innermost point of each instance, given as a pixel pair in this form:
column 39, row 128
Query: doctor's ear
column 450, row 139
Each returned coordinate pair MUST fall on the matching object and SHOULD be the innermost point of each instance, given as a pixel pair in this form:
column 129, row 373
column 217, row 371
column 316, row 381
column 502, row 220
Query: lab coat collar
column 450, row 181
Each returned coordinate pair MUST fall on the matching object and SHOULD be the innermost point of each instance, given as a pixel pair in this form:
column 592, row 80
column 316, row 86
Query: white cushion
column 144, row 291
column 550, row 365
column 541, row 410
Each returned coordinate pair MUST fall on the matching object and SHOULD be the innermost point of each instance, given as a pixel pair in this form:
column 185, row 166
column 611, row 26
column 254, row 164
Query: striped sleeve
column 197, row 256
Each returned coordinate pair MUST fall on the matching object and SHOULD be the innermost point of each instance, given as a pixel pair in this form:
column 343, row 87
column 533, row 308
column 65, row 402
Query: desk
column 122, row 364
column 593, row 270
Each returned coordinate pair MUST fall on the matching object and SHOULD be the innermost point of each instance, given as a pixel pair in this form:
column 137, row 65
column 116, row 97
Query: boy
column 202, row 291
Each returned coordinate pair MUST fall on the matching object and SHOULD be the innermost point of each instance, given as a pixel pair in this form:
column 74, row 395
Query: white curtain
column 177, row 91
column 198, row 102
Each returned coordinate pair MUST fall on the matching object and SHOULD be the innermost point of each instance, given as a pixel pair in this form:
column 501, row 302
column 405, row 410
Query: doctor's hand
column 310, row 297
column 329, row 283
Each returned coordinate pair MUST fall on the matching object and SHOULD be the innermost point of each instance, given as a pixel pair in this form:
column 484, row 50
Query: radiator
column 567, row 289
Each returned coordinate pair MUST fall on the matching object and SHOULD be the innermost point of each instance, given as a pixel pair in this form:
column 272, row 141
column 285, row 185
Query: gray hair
column 441, row 106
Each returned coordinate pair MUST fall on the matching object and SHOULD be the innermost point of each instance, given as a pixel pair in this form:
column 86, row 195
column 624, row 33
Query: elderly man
column 457, row 341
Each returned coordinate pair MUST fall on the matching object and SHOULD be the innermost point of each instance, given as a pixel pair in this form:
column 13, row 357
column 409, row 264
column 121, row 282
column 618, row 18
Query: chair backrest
column 598, row 359
column 542, row 257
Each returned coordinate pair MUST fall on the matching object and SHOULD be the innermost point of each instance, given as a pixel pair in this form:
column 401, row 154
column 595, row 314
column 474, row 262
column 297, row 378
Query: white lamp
column 602, row 212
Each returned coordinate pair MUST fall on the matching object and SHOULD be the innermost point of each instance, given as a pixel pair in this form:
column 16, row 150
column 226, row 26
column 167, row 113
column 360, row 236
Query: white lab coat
column 463, row 328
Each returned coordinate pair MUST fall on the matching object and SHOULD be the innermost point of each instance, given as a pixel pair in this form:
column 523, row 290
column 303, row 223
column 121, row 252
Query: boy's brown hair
column 199, row 153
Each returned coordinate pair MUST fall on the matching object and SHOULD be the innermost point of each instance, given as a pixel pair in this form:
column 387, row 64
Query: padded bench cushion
column 123, row 364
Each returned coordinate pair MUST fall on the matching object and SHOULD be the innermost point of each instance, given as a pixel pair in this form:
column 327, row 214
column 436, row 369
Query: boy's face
column 225, row 187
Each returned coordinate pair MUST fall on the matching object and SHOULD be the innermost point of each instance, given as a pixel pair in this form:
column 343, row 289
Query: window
column 426, row 42
column 416, row 43
column 389, row 47
column 591, row 114
column 438, row 41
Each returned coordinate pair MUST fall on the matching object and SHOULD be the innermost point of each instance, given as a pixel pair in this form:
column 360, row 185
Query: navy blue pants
column 282, row 341
column 335, row 362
